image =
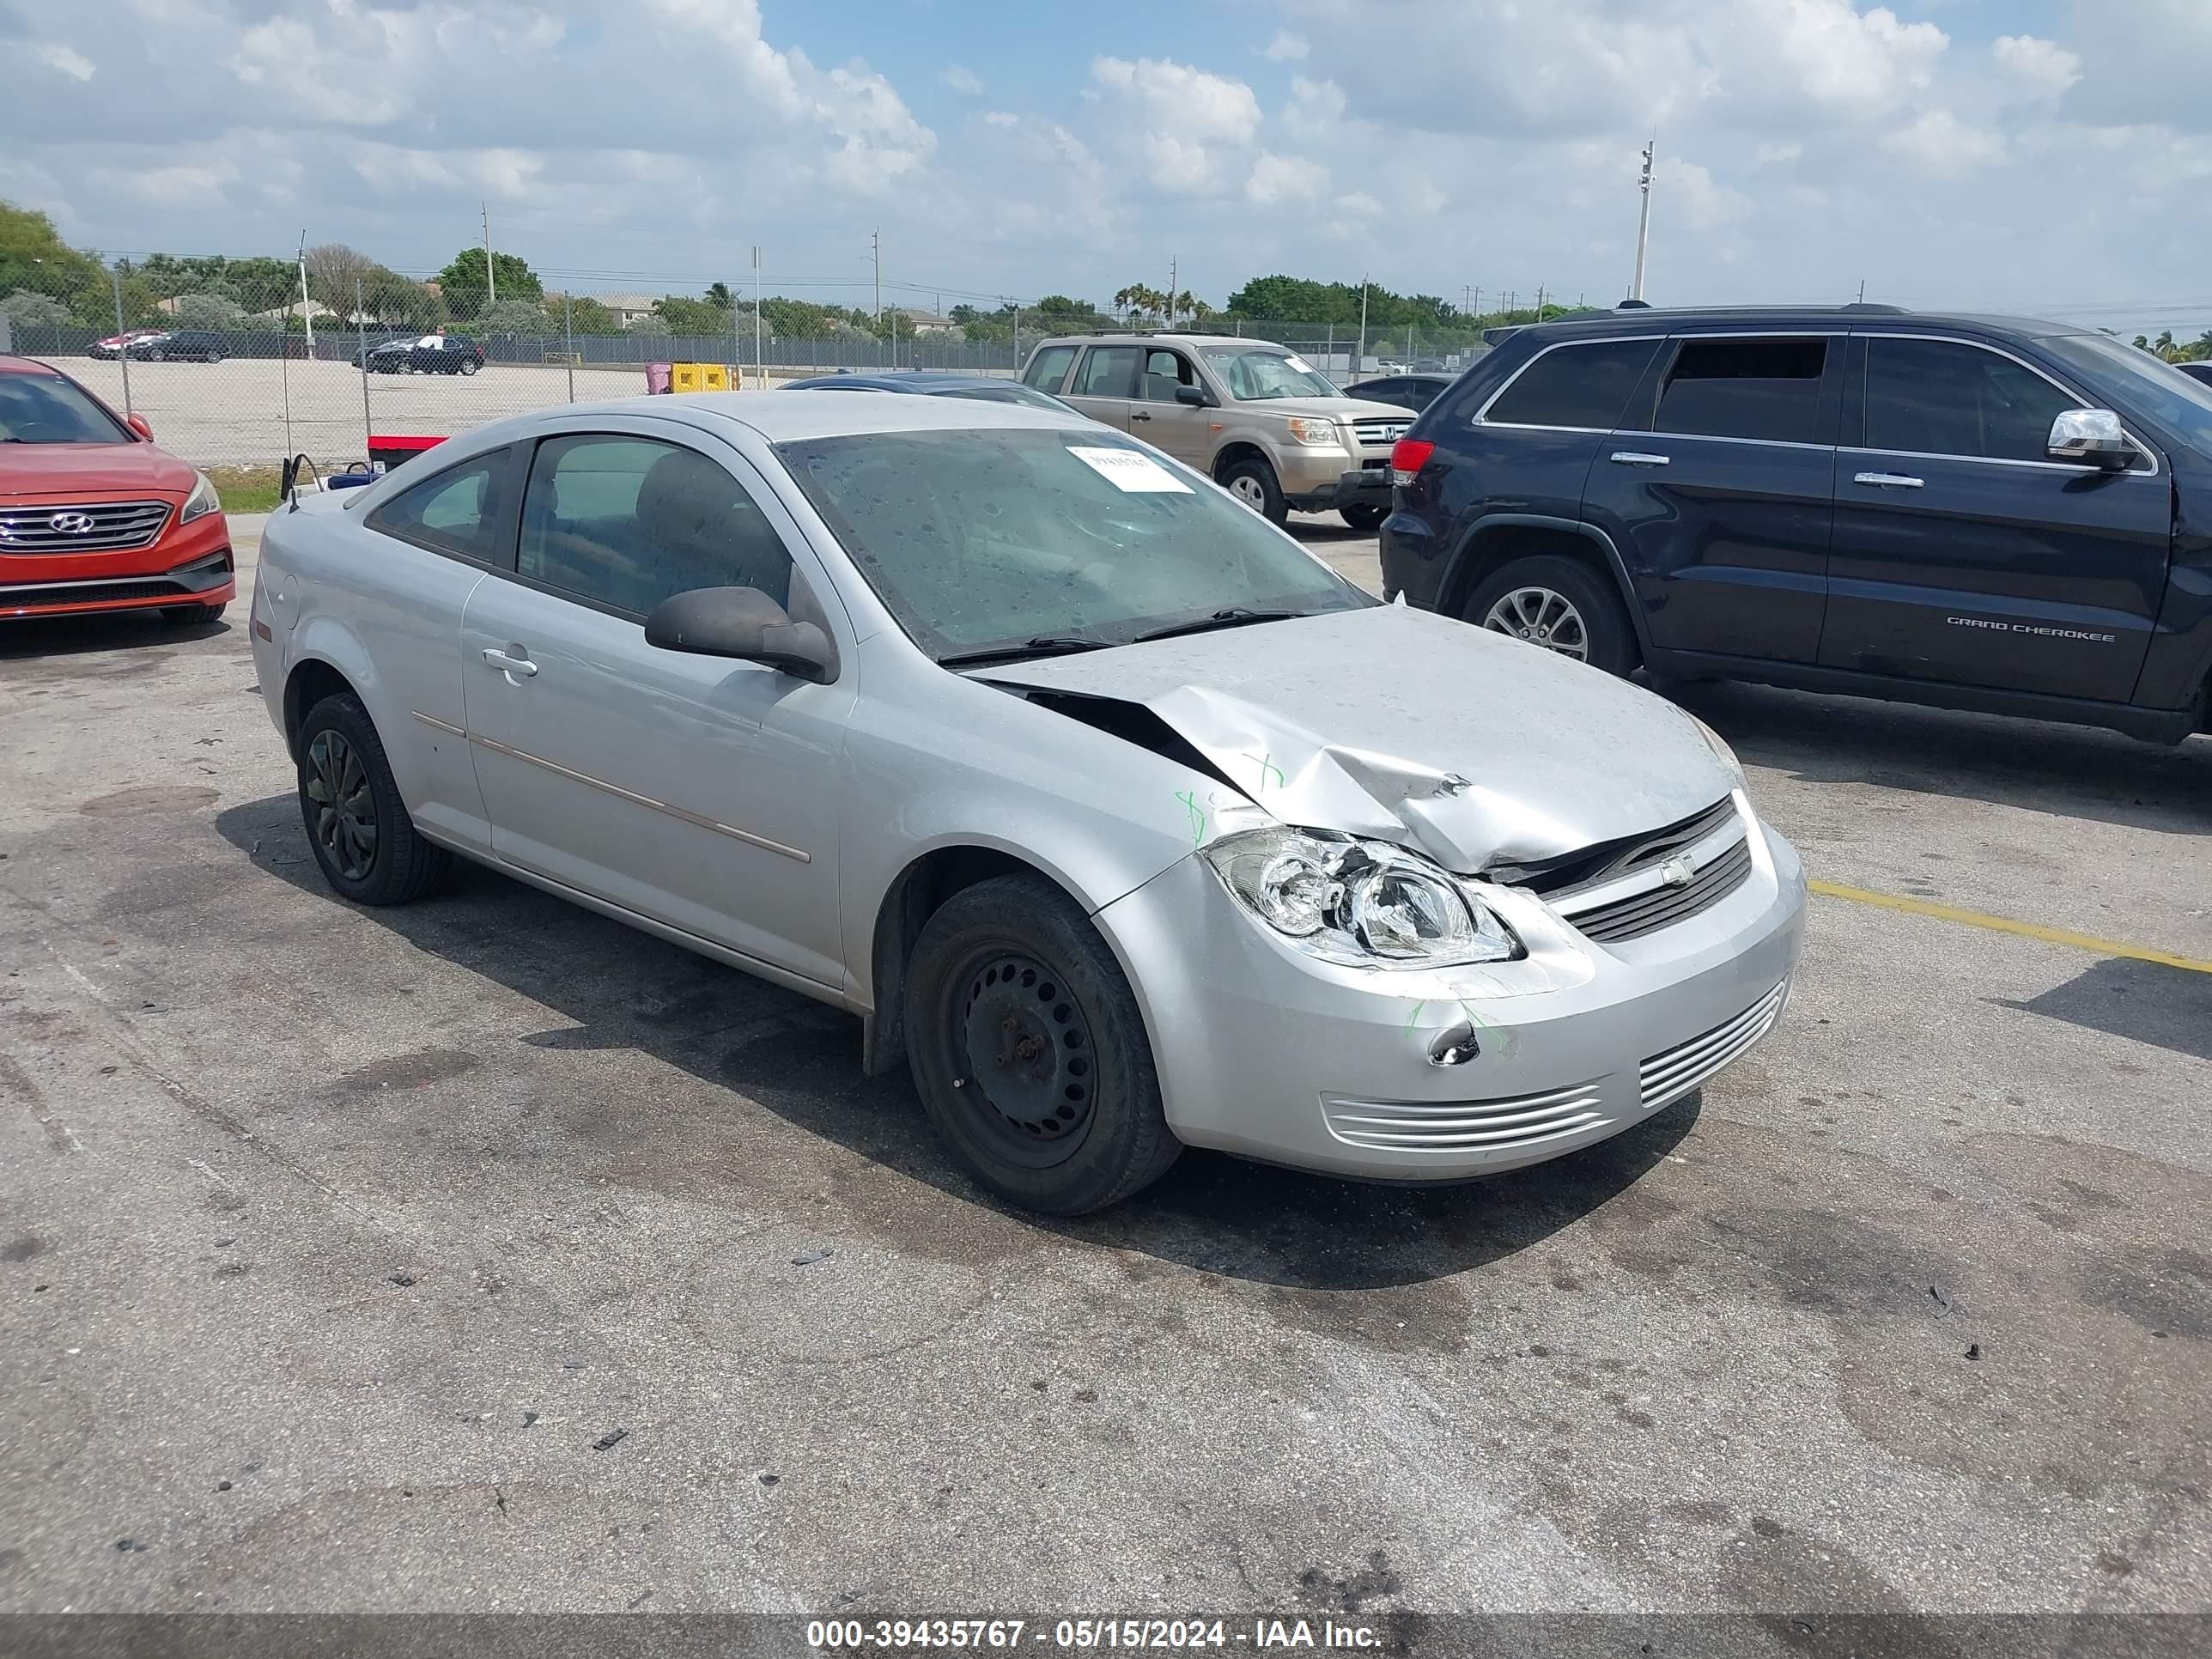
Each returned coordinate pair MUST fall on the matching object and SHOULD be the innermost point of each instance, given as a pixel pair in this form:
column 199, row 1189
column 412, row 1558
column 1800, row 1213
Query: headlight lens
column 1309, row 430
column 1364, row 903
column 1718, row 745
column 201, row 501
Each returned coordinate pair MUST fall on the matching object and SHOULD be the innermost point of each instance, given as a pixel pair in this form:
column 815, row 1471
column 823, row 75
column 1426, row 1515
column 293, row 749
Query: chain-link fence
column 243, row 362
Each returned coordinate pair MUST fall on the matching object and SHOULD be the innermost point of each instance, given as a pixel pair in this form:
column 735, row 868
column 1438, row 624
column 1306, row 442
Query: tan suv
column 1262, row 422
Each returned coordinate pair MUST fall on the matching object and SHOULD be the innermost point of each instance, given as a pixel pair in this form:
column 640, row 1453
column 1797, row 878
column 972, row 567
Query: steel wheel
column 345, row 810
column 1027, row 1057
column 1543, row 617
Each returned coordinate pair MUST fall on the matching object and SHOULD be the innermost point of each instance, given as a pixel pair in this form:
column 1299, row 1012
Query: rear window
column 1745, row 389
column 1584, row 387
column 1049, row 367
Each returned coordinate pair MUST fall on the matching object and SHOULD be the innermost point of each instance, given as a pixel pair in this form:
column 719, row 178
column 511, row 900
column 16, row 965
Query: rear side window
column 1581, row 386
column 456, row 511
column 1745, row 389
column 1049, row 367
column 1107, row 371
column 1939, row 398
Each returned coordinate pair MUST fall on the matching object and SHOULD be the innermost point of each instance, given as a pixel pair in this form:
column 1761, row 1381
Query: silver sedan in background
column 1122, row 820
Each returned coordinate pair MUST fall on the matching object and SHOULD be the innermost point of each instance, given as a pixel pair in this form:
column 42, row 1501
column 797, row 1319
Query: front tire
column 1362, row 517
column 1028, row 1051
column 1253, row 481
column 1560, row 604
column 368, row 848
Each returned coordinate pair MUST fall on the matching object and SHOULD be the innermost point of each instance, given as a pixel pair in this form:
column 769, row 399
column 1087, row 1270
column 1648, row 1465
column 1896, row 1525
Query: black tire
column 1082, row 1134
column 469, row 366
column 193, row 613
column 215, row 356
column 1252, row 481
column 155, row 354
column 1607, row 637
column 399, row 866
column 1362, row 517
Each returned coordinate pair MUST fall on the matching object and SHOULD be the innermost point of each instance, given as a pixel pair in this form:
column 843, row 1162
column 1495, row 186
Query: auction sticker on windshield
column 1130, row 471
column 1299, row 364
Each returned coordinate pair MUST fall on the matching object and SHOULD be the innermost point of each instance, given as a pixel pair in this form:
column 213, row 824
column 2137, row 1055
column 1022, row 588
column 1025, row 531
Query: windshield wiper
column 1235, row 616
column 1045, row 645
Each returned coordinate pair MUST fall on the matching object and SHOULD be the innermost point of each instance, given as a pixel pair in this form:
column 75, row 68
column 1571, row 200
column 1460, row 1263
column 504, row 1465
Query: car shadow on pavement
column 74, row 636
column 2076, row 771
column 2148, row 1002
column 801, row 1061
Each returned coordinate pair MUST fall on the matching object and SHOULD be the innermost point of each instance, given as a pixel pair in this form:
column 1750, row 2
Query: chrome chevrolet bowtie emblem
column 72, row 524
column 1678, row 871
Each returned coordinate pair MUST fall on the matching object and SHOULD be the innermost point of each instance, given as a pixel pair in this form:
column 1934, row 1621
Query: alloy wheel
column 1543, row 617
column 1249, row 491
column 345, row 807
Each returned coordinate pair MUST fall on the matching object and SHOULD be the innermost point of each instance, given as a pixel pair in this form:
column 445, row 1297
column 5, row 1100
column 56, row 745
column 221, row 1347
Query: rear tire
column 193, row 613
column 1028, row 1051
column 1252, row 481
column 1561, row 605
column 215, row 356
column 368, row 848
column 1362, row 517
column 469, row 366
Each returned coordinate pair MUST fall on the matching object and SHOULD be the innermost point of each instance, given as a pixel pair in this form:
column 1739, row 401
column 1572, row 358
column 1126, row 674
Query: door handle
column 498, row 658
column 1638, row 458
column 1889, row 481
column 1141, row 417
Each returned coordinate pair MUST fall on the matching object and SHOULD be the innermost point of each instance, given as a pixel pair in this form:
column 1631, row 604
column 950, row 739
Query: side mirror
column 2090, row 437
column 745, row 624
column 1195, row 396
column 137, row 424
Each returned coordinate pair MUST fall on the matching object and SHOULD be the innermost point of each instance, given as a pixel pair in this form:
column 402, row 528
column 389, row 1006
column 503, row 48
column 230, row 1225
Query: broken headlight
column 1363, row 903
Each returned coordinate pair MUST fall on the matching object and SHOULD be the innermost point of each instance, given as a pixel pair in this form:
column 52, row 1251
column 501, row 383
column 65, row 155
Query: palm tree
column 1197, row 310
column 2164, row 345
column 1138, row 298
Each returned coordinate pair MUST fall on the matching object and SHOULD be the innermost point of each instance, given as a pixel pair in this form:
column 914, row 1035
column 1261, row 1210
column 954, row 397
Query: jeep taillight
column 1407, row 457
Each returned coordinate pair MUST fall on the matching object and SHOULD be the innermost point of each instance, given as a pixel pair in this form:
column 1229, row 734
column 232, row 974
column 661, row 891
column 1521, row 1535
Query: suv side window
column 1581, row 386
column 1049, row 367
column 1164, row 370
column 625, row 523
column 1745, row 389
column 1945, row 397
column 458, row 511
column 1107, row 371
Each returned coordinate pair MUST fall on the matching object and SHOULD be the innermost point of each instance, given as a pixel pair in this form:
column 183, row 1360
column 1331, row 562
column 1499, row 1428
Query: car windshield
column 1256, row 376
column 988, row 539
column 2182, row 405
column 45, row 408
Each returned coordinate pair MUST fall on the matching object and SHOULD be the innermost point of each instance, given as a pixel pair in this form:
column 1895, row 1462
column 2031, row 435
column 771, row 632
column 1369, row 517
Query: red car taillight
column 1407, row 457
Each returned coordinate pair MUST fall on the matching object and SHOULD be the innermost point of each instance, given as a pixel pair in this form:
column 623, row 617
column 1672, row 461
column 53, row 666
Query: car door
column 1105, row 383
column 696, row 791
column 1963, row 554
column 438, row 539
column 1184, row 431
column 1719, row 489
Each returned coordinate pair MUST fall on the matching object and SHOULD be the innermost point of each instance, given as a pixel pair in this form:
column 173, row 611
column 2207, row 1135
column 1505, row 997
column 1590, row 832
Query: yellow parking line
column 2103, row 947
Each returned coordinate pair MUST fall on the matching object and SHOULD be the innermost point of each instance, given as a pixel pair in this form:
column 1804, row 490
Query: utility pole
column 307, row 312
column 1476, row 311
column 1540, row 302
column 1643, row 221
column 760, row 365
column 1861, row 290
column 876, row 252
column 1172, row 268
column 491, row 280
column 1359, row 357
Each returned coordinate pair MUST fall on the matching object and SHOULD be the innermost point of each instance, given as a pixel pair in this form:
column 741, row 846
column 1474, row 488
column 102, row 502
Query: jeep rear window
column 1582, row 386
column 1745, row 389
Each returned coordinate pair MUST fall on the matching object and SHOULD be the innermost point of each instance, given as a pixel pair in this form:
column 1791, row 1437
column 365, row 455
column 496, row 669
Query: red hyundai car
column 92, row 517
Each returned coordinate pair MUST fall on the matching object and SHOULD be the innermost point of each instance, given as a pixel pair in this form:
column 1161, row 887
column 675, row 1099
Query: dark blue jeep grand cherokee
column 1978, row 512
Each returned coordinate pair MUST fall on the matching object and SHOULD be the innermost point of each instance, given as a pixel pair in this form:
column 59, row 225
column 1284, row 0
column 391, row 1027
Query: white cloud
column 1189, row 127
column 71, row 63
column 2042, row 69
column 1940, row 143
column 1286, row 47
column 965, row 81
column 1285, row 179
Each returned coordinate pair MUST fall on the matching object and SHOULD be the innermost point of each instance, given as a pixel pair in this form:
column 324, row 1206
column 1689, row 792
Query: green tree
column 515, row 319
column 463, row 286
column 583, row 315
column 33, row 256
column 680, row 315
column 208, row 311
column 718, row 296
column 29, row 309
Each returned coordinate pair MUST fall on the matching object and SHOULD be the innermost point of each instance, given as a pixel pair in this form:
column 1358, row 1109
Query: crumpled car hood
column 1413, row 728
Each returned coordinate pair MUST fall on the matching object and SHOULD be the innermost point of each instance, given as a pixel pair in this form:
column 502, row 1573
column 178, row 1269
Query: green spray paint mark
column 1197, row 815
column 1264, row 762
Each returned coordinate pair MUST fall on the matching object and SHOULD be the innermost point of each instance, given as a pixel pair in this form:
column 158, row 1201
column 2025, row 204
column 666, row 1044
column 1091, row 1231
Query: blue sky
column 2015, row 154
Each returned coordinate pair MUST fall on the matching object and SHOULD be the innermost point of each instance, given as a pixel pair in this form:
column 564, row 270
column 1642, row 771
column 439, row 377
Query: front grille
column 1378, row 433
column 1671, row 1074
column 1464, row 1126
column 1561, row 878
column 1648, row 911
column 114, row 526
column 35, row 595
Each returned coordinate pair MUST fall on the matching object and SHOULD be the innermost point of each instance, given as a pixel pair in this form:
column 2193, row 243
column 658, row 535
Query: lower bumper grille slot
column 1464, row 1126
column 1670, row 1075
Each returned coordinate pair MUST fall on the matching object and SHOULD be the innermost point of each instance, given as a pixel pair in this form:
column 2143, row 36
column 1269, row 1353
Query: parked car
column 984, row 388
column 392, row 344
column 1411, row 390
column 1975, row 512
column 1254, row 417
column 1100, row 800
column 92, row 517
column 426, row 353
column 114, row 345
column 197, row 345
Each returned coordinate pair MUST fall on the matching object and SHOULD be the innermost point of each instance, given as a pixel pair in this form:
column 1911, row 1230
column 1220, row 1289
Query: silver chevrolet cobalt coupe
column 1125, row 822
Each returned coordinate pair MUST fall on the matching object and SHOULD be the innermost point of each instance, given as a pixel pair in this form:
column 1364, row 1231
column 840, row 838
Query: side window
column 1049, row 367
column 456, row 511
column 1940, row 397
column 1582, row 386
column 1164, row 371
column 1745, row 389
column 627, row 522
column 1382, row 392
column 1107, row 371
column 1420, row 394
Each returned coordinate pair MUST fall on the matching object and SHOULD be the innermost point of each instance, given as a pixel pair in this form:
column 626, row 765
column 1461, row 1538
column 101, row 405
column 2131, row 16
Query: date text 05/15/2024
column 833, row 1635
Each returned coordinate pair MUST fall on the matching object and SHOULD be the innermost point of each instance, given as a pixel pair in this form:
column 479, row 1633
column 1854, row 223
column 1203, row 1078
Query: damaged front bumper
column 1440, row 1074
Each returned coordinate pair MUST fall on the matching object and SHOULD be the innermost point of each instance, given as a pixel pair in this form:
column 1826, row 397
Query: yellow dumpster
column 713, row 377
column 683, row 377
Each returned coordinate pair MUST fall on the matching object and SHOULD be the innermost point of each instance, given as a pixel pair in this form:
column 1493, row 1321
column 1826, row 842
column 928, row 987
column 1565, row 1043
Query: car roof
column 897, row 380
column 1195, row 342
column 1405, row 374
column 787, row 414
column 29, row 365
column 1647, row 319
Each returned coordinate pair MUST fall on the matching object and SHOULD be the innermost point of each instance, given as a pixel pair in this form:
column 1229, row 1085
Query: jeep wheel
column 1560, row 604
